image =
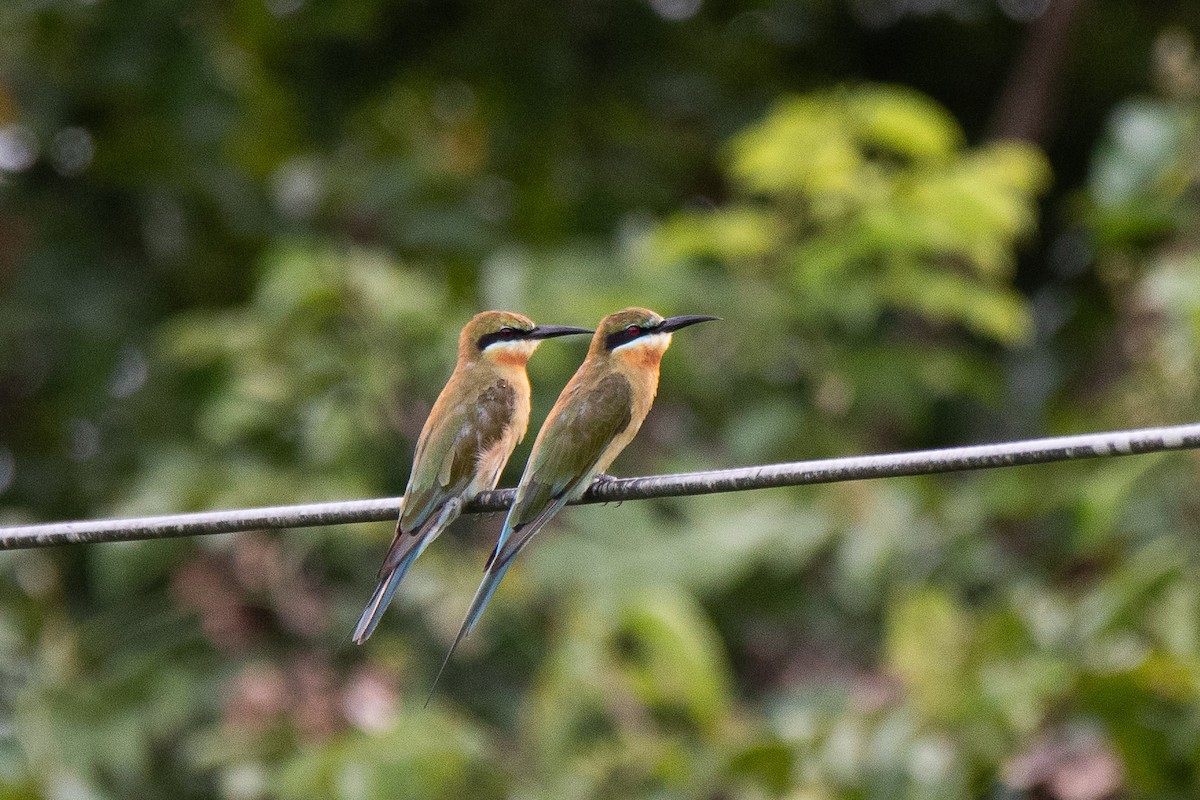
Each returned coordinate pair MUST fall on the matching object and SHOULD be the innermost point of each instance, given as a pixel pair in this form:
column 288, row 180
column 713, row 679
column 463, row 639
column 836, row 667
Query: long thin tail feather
column 497, row 565
column 388, row 584
column 487, row 588
column 405, row 549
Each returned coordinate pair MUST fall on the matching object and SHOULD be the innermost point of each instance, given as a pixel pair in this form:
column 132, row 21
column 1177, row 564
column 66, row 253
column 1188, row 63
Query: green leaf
column 904, row 122
column 929, row 640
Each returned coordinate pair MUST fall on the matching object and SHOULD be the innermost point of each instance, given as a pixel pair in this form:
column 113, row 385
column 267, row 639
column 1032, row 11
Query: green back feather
column 448, row 454
column 565, row 456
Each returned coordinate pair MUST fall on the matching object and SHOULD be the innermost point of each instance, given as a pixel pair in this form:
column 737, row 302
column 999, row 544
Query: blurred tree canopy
column 237, row 241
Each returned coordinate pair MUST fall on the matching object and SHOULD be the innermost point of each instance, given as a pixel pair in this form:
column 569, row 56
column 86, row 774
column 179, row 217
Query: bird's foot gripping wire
column 603, row 479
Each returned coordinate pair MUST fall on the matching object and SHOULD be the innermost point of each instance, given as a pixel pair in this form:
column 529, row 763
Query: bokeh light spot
column 72, row 151
column 297, row 187
column 18, row 148
column 1024, row 10
column 84, row 440
column 130, row 373
column 676, row 10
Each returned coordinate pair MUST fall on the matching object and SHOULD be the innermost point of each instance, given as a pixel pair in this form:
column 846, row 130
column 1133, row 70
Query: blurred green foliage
column 236, row 245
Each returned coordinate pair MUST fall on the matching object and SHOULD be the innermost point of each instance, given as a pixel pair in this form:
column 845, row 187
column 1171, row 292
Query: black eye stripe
column 505, row 334
column 625, row 335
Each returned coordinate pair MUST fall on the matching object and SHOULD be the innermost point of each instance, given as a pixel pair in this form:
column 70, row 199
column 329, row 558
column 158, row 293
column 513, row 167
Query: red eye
column 632, row 329
column 506, row 333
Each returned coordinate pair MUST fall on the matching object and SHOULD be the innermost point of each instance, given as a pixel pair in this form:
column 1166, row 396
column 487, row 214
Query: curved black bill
column 550, row 331
column 683, row 320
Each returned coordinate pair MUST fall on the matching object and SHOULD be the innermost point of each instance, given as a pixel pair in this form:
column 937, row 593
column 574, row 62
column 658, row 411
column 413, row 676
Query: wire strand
column 799, row 473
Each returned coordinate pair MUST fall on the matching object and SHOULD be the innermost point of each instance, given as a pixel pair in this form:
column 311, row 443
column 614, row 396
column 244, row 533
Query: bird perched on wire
column 598, row 413
column 472, row 429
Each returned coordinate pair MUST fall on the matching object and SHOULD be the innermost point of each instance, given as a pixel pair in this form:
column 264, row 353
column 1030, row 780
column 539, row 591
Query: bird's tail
column 401, row 555
column 487, row 588
column 389, row 582
column 491, row 580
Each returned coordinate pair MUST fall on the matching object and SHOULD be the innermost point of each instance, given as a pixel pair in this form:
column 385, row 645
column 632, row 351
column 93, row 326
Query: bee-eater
column 598, row 413
column 472, row 429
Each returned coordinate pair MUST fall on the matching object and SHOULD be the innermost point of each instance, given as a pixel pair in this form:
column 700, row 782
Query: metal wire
column 800, row 473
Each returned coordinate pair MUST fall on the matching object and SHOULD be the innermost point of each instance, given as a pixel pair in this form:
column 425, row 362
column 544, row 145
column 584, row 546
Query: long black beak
column 683, row 320
column 550, row 331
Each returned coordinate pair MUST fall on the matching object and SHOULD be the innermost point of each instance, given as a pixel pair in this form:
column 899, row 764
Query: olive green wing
column 565, row 458
column 447, row 460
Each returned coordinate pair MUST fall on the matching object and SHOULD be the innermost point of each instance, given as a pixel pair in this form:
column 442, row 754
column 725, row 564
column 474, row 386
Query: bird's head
column 506, row 337
column 639, row 334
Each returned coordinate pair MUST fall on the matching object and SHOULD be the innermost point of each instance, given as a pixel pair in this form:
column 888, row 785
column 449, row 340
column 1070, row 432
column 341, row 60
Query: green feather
column 565, row 456
column 447, row 458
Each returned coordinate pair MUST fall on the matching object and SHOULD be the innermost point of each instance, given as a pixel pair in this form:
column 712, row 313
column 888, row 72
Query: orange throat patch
column 510, row 358
column 511, row 354
column 645, row 353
